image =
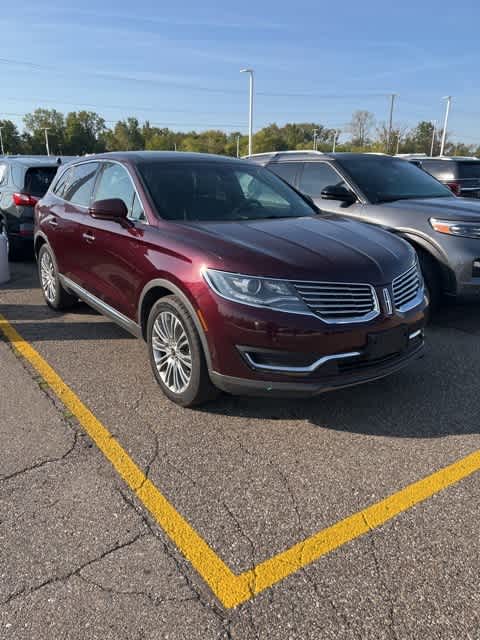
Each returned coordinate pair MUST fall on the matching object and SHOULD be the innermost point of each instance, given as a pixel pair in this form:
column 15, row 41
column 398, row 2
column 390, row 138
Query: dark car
column 234, row 280
column 23, row 181
column 461, row 175
column 398, row 196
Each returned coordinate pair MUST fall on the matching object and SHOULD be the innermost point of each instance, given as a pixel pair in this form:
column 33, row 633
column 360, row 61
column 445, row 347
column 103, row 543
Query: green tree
column 35, row 125
column 360, row 127
column 126, row 136
column 12, row 142
column 84, row 132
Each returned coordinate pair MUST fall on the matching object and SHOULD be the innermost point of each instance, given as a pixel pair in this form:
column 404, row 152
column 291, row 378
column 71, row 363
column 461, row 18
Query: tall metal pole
column 398, row 144
column 250, row 113
column 238, row 146
column 46, row 140
column 434, row 122
column 445, row 124
column 1, row 141
column 315, row 139
column 390, row 124
column 335, row 137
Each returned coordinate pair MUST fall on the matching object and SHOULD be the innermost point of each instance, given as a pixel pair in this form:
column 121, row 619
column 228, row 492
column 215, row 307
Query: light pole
column 238, row 145
column 335, row 138
column 390, row 124
column 315, row 131
column 445, row 124
column 434, row 123
column 1, row 141
column 46, row 129
column 250, row 116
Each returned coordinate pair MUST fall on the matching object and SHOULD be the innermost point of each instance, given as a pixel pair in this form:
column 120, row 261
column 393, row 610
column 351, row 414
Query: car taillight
column 24, row 200
column 454, row 187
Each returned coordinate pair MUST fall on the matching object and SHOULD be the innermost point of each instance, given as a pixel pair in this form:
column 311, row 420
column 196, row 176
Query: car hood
column 451, row 208
column 323, row 247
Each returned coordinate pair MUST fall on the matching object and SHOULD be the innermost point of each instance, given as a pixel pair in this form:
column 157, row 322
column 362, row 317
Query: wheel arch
column 440, row 260
column 159, row 288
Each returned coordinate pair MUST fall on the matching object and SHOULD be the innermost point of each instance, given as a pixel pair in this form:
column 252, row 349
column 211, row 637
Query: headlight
column 257, row 292
column 464, row 229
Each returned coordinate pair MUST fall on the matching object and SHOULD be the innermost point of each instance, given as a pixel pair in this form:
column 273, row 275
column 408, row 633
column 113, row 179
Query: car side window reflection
column 80, row 185
column 318, row 175
column 115, row 182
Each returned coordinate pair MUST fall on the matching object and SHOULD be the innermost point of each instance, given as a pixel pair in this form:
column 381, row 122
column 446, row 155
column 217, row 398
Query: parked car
column 460, row 174
column 235, row 281
column 398, row 196
column 23, row 181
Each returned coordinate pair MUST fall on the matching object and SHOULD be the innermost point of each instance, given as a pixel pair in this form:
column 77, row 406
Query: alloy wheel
column 171, row 352
column 48, row 277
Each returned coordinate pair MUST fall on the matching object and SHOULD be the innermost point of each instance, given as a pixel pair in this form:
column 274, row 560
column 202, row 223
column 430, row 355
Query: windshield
column 388, row 179
column 205, row 190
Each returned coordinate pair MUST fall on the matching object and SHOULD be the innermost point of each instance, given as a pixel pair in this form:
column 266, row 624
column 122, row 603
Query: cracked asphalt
column 81, row 558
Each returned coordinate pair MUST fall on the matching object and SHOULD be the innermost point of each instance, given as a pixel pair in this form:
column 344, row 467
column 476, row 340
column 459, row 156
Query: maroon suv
column 235, row 280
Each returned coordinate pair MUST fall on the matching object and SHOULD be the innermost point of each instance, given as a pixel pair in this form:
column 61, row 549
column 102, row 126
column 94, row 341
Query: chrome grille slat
column 339, row 301
column 406, row 287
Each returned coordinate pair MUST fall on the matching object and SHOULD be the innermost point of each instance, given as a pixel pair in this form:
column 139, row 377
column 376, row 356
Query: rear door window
column 318, row 175
column 285, row 170
column 38, row 179
column 80, row 185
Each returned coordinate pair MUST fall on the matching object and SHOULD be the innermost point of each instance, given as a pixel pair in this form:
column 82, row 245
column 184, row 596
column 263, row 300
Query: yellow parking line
column 232, row 589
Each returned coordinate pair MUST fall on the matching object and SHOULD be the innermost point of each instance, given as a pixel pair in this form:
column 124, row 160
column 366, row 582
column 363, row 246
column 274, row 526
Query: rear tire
column 53, row 292
column 176, row 354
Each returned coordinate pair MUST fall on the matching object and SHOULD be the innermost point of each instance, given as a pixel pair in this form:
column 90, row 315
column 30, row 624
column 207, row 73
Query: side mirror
column 337, row 192
column 113, row 209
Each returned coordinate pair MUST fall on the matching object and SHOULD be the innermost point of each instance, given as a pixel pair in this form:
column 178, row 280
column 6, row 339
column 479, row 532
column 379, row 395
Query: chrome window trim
column 308, row 369
column 70, row 165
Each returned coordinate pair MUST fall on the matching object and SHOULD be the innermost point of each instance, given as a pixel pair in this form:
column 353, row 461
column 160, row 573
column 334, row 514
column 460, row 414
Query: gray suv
column 398, row 196
column 460, row 174
column 23, row 181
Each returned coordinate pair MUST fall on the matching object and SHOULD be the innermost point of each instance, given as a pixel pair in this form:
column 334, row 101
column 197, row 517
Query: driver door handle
column 88, row 236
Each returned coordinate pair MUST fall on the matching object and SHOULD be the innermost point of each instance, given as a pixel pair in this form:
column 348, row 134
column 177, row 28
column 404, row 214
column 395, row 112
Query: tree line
column 80, row 132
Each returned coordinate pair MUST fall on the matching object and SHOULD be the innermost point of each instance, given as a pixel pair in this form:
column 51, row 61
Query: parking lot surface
column 82, row 557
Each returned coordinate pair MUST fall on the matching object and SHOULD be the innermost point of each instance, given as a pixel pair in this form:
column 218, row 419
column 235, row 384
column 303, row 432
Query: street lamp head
column 246, row 70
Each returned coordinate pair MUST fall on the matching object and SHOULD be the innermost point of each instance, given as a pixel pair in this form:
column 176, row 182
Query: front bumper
column 302, row 352
column 462, row 255
column 352, row 372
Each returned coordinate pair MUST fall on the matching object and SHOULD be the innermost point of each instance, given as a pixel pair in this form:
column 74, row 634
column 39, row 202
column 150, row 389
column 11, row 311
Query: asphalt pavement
column 81, row 556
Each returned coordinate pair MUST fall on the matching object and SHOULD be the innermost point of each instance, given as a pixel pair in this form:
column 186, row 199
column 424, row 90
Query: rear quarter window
column 3, row 174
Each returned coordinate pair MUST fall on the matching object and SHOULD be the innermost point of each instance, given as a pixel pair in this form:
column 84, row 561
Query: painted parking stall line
column 232, row 589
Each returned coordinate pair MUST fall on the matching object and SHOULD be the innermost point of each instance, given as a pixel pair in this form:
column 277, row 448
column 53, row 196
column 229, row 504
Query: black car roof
column 294, row 156
column 135, row 157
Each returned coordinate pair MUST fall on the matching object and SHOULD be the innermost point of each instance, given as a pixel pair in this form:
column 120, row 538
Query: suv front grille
column 406, row 287
column 338, row 302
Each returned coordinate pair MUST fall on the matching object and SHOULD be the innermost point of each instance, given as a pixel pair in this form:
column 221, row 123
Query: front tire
column 431, row 277
column 54, row 294
column 176, row 354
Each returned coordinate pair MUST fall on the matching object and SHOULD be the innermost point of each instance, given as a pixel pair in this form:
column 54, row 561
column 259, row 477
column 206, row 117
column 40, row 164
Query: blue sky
column 177, row 64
